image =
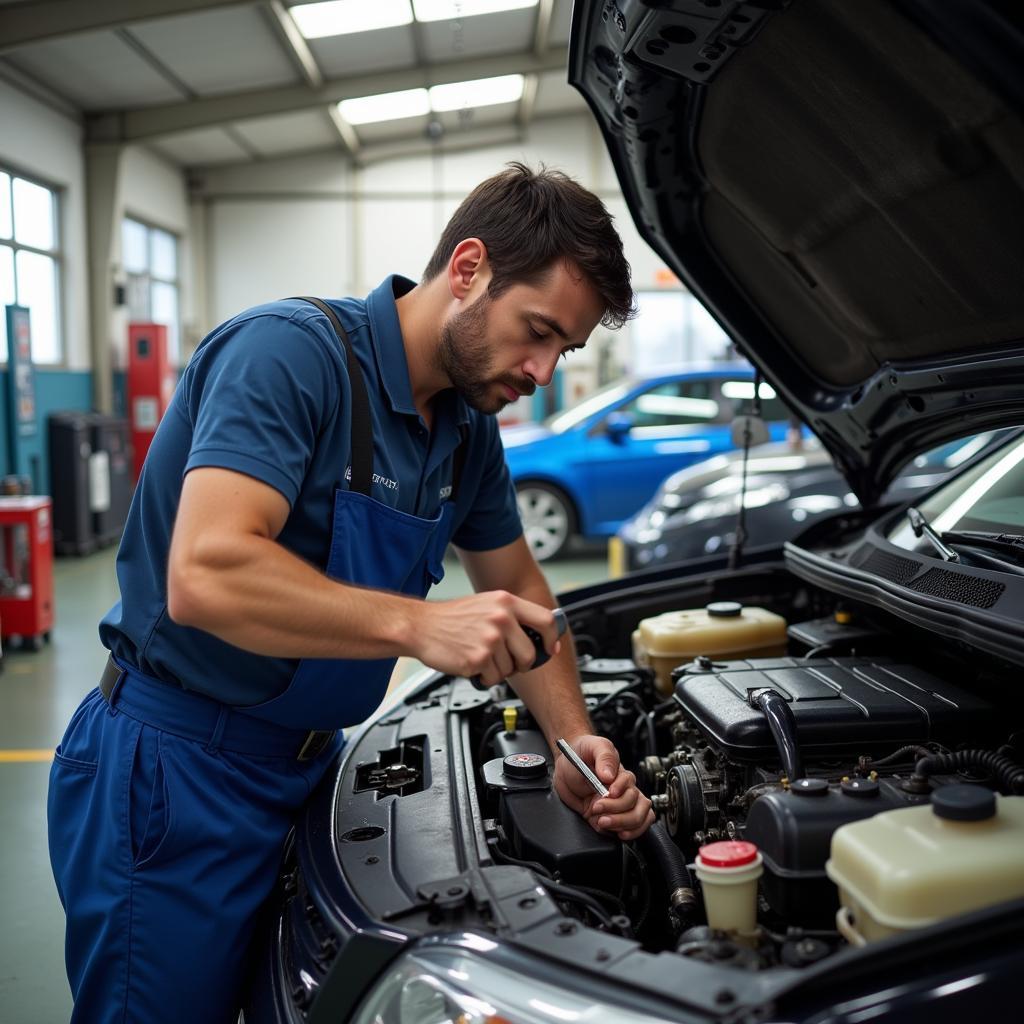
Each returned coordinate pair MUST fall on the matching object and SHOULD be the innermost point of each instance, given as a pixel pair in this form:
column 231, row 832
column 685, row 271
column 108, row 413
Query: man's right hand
column 481, row 635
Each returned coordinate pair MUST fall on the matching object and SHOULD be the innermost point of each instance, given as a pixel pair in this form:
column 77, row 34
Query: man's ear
column 468, row 268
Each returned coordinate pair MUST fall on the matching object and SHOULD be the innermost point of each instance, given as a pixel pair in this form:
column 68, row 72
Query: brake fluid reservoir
column 724, row 631
column 728, row 872
column 911, row 867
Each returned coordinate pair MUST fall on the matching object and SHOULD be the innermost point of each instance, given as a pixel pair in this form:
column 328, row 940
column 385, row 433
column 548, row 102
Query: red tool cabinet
column 26, row 580
column 151, row 382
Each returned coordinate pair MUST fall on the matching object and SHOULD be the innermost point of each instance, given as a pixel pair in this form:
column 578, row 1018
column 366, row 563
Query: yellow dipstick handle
column 511, row 716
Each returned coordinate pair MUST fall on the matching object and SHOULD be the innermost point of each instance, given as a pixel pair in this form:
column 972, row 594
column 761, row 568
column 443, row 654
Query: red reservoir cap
column 727, row 854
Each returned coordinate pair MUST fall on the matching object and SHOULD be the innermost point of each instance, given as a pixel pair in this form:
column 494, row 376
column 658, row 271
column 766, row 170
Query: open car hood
column 842, row 185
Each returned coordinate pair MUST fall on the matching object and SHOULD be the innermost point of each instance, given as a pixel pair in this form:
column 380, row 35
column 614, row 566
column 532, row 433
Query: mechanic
column 293, row 511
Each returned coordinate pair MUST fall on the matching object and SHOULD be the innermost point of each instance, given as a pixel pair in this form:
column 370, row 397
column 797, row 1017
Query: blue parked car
column 587, row 469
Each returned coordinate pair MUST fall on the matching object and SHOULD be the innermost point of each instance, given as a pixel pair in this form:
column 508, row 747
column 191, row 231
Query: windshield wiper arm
column 922, row 528
column 1009, row 542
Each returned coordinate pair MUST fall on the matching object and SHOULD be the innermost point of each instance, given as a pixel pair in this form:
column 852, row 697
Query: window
column 677, row 403
column 30, row 262
column 673, row 329
column 738, row 400
column 150, row 258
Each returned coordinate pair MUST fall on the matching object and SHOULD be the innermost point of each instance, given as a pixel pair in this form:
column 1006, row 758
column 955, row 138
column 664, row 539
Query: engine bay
column 853, row 715
column 839, row 808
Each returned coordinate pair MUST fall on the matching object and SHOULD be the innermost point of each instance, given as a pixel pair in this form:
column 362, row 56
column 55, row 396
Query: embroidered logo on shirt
column 391, row 485
column 446, row 492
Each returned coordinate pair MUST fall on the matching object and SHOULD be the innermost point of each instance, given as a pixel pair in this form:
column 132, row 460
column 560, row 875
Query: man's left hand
column 625, row 811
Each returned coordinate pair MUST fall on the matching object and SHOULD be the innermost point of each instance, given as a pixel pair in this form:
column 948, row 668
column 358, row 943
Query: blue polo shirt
column 267, row 394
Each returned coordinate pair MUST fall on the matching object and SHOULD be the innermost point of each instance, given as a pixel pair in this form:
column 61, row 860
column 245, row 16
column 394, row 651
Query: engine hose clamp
column 683, row 898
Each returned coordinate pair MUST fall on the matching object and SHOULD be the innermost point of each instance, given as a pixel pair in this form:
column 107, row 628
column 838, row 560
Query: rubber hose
column 635, row 699
column 573, row 895
column 672, row 864
column 482, row 752
column 652, row 736
column 912, row 748
column 651, row 716
column 642, row 724
column 1009, row 774
column 783, row 729
column 632, row 698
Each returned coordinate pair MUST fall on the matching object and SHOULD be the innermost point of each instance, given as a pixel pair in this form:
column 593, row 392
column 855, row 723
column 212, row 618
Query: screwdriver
column 561, row 624
column 581, row 766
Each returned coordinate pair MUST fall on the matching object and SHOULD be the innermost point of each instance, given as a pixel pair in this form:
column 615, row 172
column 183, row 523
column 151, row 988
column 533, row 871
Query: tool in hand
column 561, row 624
column 581, row 766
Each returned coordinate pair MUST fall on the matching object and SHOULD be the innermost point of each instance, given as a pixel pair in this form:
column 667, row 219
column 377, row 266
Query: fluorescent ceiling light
column 388, row 106
column 484, row 92
column 448, row 10
column 341, row 17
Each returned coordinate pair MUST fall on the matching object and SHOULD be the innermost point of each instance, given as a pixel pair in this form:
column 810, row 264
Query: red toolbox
column 26, row 569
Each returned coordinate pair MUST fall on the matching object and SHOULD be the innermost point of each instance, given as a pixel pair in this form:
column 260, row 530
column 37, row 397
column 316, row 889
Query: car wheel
column 548, row 520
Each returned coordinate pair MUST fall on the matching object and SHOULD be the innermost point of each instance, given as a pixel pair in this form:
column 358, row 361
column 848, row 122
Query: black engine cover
column 843, row 706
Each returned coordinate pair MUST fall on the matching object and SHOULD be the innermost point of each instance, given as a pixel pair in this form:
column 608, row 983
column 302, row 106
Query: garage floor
column 40, row 692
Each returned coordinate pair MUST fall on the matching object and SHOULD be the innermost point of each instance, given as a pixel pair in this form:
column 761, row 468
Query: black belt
column 205, row 720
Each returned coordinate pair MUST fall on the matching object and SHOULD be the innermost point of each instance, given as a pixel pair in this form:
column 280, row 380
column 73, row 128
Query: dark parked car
column 841, row 184
column 787, row 488
column 584, row 470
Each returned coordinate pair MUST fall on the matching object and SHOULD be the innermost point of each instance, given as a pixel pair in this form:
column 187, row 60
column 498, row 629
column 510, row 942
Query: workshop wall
column 44, row 143
column 312, row 223
column 317, row 224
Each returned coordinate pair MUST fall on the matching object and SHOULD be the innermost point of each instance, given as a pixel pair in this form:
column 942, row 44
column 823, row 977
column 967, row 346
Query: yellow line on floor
column 18, row 756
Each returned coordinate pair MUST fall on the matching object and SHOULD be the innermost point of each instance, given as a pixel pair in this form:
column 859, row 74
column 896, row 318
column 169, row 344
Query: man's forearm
column 552, row 692
column 255, row 594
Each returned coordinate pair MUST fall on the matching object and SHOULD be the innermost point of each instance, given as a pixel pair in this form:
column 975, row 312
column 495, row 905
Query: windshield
column 989, row 498
column 569, row 418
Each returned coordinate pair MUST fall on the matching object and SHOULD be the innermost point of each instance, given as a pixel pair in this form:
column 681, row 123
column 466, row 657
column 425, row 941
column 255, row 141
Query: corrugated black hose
column 1009, row 775
column 658, row 846
column 897, row 755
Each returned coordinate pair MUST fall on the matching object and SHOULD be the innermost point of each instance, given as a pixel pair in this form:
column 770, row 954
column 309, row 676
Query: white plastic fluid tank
column 723, row 631
column 728, row 873
column 911, row 867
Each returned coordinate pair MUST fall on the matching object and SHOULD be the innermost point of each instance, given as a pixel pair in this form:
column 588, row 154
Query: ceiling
column 227, row 81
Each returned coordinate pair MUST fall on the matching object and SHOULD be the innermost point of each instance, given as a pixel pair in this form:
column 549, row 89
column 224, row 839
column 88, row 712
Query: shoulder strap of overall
column 361, row 421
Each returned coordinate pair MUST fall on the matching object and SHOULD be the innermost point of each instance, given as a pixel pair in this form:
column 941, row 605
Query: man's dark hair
column 529, row 220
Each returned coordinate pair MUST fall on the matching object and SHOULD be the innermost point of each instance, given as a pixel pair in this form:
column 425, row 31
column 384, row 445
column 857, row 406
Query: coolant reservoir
column 724, row 631
column 914, row 866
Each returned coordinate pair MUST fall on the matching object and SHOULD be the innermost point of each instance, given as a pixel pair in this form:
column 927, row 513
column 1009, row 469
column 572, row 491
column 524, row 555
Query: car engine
column 854, row 715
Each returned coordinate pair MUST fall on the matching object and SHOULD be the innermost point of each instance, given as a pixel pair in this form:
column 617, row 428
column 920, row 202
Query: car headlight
column 442, row 984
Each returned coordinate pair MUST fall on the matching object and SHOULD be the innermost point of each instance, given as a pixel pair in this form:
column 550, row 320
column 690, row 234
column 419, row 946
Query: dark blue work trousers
column 164, row 849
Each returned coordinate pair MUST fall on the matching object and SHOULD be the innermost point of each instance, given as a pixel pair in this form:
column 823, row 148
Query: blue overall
column 168, row 810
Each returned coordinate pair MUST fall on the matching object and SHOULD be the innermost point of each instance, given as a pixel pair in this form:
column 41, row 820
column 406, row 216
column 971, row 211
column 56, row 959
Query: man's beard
column 464, row 356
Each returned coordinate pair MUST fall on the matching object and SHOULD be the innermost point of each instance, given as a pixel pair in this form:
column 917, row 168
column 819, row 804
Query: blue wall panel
column 56, row 390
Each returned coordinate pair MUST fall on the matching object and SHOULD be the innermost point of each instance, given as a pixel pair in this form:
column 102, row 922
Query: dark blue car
column 585, row 470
